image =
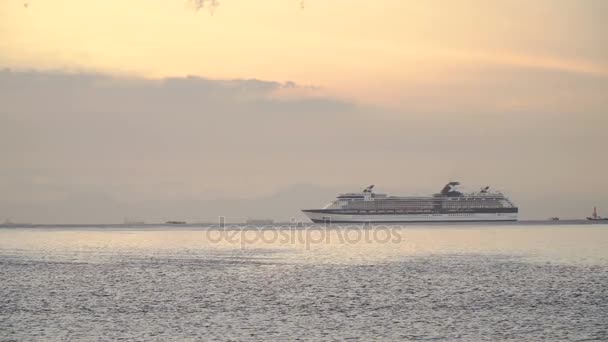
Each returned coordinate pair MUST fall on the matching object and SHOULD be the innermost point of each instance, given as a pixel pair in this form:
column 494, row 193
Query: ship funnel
column 450, row 189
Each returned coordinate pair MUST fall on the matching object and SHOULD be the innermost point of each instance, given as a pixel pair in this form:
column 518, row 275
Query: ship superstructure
column 596, row 217
column 447, row 206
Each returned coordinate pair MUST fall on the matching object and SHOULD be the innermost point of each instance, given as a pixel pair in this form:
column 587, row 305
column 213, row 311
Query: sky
column 141, row 108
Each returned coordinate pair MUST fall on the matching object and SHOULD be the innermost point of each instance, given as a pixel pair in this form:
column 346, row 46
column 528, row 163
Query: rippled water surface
column 467, row 283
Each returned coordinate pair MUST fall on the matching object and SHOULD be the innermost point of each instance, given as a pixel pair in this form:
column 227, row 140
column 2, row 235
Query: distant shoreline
column 306, row 224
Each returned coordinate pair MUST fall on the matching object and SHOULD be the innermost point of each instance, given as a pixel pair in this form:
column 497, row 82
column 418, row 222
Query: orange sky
column 358, row 49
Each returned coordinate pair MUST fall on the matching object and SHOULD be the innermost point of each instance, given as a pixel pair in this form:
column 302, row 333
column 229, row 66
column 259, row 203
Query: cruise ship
column 450, row 205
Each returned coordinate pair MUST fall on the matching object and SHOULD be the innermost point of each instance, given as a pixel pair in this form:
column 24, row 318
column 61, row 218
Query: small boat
column 175, row 222
column 596, row 217
column 554, row 218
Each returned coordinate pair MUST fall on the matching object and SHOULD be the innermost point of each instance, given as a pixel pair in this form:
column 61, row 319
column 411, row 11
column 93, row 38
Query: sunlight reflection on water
column 588, row 244
column 455, row 283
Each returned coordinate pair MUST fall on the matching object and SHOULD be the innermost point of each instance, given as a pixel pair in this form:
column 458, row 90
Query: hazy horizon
column 154, row 111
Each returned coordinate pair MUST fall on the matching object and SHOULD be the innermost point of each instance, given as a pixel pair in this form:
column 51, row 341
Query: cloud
column 95, row 141
column 529, row 61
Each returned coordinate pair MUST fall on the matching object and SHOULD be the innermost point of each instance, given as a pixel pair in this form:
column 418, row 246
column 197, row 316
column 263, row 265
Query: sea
column 474, row 282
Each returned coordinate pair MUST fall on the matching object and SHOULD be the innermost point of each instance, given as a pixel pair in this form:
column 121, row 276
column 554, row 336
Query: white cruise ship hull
column 320, row 217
